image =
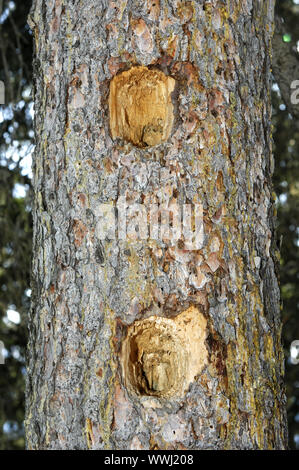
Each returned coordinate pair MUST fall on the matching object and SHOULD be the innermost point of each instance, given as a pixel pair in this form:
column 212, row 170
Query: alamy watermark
column 2, row 361
column 295, row 93
column 167, row 223
column 2, row 92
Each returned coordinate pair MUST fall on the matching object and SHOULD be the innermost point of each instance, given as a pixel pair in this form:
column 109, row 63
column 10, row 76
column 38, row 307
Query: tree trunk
column 154, row 343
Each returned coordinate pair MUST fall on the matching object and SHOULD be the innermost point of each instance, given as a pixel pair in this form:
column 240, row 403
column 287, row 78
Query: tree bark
column 149, row 344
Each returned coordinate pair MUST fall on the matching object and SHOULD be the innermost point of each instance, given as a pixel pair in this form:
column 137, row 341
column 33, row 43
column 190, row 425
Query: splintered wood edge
column 181, row 339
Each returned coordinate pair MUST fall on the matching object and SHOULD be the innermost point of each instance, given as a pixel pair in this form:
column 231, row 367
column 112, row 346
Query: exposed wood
column 140, row 106
column 161, row 357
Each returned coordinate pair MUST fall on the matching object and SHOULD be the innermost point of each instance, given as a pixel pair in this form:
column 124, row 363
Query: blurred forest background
column 16, row 147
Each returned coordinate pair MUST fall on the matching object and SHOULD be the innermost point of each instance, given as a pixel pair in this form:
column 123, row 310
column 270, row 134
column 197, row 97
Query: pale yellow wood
column 141, row 110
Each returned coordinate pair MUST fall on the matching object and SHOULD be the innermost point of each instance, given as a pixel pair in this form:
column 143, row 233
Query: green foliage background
column 286, row 185
column 16, row 139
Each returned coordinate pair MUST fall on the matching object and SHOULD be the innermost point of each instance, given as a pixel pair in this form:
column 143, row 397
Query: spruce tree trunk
column 153, row 344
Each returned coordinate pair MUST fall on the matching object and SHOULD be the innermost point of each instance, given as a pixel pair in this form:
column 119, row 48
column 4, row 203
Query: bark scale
column 87, row 293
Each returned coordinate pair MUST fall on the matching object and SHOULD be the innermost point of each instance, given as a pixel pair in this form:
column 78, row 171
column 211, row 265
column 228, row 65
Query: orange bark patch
column 153, row 9
column 82, row 199
column 117, row 63
column 80, row 231
column 143, row 37
column 185, row 11
column 213, row 262
column 188, row 72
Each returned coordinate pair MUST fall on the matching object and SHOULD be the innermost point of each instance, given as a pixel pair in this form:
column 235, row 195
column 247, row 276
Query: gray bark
column 89, row 294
